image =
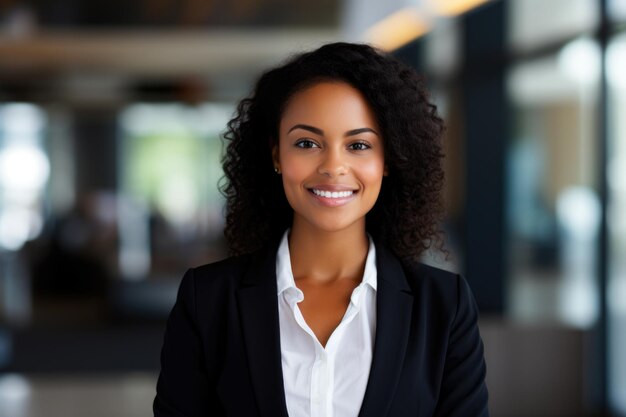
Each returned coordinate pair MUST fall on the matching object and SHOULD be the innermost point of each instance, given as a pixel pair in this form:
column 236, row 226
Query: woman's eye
column 359, row 146
column 305, row 143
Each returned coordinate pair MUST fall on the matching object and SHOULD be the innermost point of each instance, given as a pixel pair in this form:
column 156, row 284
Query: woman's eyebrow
column 361, row 130
column 309, row 128
column 320, row 132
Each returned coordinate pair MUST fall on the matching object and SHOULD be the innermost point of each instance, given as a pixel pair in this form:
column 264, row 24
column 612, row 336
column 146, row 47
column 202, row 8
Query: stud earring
column 276, row 170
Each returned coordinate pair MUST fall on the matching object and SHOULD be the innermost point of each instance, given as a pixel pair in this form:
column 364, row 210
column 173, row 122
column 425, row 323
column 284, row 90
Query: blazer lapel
column 394, row 302
column 258, row 307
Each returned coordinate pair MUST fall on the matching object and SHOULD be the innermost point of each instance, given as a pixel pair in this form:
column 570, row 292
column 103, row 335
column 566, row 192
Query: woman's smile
column 332, row 198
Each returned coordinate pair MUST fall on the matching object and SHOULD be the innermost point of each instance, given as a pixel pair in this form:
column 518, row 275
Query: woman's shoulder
column 417, row 273
column 226, row 266
column 435, row 285
column 232, row 271
column 443, row 290
column 222, row 272
column 422, row 270
column 422, row 274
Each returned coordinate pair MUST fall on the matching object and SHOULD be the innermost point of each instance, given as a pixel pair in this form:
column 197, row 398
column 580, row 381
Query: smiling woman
column 333, row 180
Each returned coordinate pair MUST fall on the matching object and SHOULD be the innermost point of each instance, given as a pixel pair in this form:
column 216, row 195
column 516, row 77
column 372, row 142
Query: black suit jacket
column 221, row 350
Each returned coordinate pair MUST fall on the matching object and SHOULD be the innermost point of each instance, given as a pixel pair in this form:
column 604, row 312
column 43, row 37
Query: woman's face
column 331, row 156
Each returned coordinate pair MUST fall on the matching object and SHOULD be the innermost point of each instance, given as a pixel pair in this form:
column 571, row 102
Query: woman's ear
column 275, row 158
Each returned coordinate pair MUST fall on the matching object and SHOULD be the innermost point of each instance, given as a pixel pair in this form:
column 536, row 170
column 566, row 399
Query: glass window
column 24, row 174
column 553, row 206
column 171, row 208
column 616, row 63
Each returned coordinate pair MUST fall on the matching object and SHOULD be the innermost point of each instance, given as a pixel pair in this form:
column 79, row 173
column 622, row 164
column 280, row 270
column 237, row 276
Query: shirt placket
column 320, row 385
column 322, row 378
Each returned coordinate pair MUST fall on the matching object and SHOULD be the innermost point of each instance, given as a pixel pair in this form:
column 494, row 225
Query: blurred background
column 110, row 119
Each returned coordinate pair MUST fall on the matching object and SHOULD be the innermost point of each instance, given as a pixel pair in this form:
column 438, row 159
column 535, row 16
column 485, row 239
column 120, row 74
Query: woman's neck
column 324, row 257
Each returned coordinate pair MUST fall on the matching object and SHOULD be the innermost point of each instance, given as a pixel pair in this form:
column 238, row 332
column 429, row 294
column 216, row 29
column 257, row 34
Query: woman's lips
column 332, row 202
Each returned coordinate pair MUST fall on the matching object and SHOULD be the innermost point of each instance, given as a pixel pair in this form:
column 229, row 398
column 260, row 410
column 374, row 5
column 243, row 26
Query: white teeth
column 334, row 194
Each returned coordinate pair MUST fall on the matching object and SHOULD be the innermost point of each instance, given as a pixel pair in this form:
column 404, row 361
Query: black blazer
column 221, row 350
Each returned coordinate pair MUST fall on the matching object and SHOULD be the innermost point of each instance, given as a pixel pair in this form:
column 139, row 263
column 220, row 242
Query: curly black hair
column 406, row 216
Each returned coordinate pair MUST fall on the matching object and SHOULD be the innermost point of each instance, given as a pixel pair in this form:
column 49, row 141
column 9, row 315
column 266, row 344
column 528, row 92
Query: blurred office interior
column 110, row 121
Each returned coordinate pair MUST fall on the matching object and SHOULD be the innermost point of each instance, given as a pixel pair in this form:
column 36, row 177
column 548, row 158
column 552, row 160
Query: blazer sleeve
column 183, row 387
column 463, row 390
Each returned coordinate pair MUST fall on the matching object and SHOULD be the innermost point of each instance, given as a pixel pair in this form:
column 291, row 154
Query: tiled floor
column 125, row 395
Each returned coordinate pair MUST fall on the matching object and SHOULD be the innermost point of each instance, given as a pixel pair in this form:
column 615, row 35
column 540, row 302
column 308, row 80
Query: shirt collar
column 284, row 273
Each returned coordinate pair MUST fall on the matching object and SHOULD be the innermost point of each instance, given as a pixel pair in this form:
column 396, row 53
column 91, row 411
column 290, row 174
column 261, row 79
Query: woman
column 334, row 176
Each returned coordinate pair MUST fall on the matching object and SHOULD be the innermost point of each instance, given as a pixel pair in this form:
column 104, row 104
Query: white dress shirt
column 325, row 381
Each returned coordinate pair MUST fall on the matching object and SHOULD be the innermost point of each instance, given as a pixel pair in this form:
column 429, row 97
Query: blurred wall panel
column 616, row 63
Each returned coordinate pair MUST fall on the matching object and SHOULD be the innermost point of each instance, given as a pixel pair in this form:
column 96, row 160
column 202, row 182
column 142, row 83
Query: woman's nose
column 333, row 163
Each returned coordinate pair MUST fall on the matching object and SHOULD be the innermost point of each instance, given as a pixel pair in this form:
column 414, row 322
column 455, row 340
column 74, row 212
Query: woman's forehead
column 330, row 104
